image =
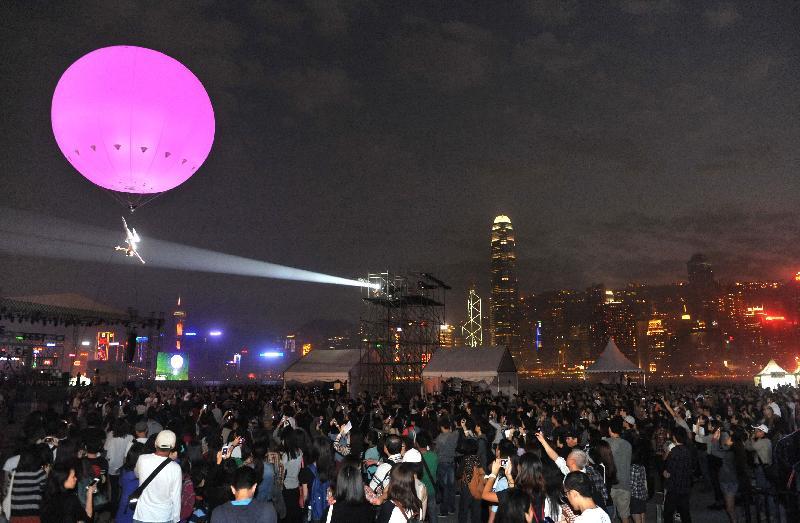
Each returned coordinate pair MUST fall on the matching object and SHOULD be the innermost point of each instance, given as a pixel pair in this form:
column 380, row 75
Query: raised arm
column 487, row 494
column 668, row 407
column 551, row 453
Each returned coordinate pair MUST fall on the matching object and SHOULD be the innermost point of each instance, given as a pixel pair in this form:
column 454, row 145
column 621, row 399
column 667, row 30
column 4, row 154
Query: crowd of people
column 262, row 454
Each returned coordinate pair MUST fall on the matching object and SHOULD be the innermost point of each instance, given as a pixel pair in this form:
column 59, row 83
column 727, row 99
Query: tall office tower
column 657, row 340
column 700, row 273
column 702, row 291
column 504, row 308
column 447, row 335
column 472, row 330
column 179, row 316
column 620, row 323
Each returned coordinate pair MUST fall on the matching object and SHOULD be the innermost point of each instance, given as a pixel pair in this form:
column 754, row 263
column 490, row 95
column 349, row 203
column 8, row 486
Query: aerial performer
column 134, row 122
column 131, row 240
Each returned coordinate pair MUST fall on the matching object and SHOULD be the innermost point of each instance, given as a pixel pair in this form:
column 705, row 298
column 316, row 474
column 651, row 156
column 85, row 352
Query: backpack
column 477, row 483
column 318, row 499
column 100, row 500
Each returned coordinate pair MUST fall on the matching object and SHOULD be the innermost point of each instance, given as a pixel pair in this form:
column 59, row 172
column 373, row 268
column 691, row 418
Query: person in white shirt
column 161, row 500
column 118, row 441
column 578, row 490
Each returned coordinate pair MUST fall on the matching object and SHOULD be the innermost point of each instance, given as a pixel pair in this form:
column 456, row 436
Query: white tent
column 612, row 362
column 490, row 367
column 325, row 366
column 773, row 376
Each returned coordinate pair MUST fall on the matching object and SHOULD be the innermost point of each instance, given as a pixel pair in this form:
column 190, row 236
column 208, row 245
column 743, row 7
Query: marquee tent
column 325, row 366
column 612, row 362
column 490, row 367
column 773, row 376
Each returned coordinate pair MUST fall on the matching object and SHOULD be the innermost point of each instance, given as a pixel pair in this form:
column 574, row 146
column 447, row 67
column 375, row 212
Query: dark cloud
column 547, row 52
column 552, row 12
column 722, row 16
column 451, row 56
column 314, row 88
column 648, row 7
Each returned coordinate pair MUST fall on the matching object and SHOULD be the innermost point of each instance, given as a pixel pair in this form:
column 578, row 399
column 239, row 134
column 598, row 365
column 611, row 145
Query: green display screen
column 172, row 366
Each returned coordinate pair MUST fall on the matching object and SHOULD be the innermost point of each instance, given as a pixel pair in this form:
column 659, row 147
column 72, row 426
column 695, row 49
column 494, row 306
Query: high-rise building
column 179, row 316
column 447, row 335
column 657, row 342
column 703, row 292
column 472, row 330
column 620, row 323
column 504, row 318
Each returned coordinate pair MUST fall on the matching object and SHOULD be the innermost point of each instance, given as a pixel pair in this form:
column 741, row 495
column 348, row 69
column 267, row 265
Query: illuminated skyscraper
column 180, row 317
column 472, row 330
column 504, row 309
column 447, row 335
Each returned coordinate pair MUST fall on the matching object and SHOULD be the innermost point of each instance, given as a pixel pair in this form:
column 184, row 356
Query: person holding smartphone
column 60, row 503
column 502, row 474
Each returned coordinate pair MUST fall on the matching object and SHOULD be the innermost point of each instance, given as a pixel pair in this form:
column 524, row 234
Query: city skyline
column 355, row 137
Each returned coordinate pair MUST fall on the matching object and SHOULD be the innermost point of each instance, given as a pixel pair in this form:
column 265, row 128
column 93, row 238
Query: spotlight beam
column 29, row 235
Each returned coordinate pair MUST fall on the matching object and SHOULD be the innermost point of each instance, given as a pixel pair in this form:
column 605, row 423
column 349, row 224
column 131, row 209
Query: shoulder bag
column 133, row 499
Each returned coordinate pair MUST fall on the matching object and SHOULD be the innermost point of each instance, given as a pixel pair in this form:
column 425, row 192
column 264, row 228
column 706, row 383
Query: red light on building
column 103, row 341
column 244, row 351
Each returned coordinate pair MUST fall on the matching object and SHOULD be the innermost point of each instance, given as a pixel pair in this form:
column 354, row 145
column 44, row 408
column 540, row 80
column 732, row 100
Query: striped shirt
column 26, row 492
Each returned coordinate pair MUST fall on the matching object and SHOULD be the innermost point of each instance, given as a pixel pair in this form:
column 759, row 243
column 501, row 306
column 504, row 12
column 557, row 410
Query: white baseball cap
column 763, row 428
column 165, row 440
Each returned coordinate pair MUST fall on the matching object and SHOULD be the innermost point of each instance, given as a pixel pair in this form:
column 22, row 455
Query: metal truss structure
column 472, row 330
column 399, row 329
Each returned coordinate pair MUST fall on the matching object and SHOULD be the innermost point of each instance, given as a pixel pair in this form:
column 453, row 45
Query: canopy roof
column 771, row 368
column 323, row 365
column 612, row 360
column 470, row 363
column 75, row 302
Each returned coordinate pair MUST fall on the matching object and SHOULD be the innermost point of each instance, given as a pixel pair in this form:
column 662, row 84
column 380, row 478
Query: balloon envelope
column 132, row 120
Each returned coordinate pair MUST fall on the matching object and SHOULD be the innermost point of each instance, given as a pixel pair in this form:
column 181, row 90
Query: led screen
column 172, row 366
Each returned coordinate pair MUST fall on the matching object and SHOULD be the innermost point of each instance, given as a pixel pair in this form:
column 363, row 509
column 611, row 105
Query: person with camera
column 60, row 503
column 160, row 499
column 502, row 475
column 761, row 447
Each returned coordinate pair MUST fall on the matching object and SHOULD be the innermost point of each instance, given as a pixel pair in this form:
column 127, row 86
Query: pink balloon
column 132, row 119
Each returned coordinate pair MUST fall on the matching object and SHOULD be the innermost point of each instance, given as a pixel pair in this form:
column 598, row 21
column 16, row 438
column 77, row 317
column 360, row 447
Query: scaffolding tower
column 472, row 330
column 399, row 329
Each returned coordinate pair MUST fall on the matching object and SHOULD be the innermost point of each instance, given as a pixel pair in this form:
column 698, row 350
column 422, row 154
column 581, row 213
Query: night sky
column 620, row 137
